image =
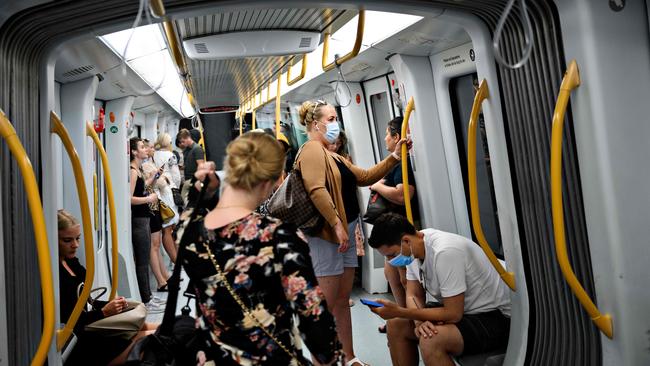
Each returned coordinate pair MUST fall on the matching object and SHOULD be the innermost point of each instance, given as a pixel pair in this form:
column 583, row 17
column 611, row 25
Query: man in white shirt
column 473, row 311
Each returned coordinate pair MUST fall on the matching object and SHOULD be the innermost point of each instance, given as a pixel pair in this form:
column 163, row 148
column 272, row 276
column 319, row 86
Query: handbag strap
column 174, row 282
column 247, row 311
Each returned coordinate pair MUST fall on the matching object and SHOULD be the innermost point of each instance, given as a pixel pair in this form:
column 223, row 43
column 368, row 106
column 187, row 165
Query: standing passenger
column 140, row 215
column 329, row 178
column 264, row 261
column 152, row 178
column 171, row 179
column 192, row 158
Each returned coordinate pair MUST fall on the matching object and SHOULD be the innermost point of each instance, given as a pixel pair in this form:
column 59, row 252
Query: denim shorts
column 325, row 256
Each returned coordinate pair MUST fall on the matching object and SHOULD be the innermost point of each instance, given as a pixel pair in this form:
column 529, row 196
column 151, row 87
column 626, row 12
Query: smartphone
column 372, row 304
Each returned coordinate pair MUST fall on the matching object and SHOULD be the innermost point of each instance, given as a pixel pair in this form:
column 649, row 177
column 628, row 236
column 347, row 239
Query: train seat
column 493, row 358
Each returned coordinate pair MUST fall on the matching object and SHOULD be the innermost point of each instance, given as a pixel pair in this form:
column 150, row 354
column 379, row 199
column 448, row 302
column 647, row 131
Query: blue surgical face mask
column 332, row 133
column 402, row 260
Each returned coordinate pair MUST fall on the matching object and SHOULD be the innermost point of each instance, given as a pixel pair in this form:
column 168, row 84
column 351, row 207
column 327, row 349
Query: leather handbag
column 377, row 206
column 166, row 212
column 178, row 199
column 123, row 325
column 291, row 203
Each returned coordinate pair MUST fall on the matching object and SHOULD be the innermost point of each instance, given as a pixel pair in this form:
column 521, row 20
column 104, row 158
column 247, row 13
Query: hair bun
column 304, row 110
column 253, row 158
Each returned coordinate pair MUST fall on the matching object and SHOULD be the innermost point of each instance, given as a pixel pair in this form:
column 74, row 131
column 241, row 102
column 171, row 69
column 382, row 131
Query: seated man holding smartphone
column 475, row 313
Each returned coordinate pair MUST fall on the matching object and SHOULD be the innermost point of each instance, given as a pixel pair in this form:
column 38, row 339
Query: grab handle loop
column 528, row 36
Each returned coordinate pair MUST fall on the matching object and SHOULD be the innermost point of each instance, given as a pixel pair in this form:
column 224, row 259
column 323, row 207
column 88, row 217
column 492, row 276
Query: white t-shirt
column 454, row 265
column 171, row 166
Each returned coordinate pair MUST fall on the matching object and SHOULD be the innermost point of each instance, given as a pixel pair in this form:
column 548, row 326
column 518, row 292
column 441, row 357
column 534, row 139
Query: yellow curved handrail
column 157, row 8
column 481, row 94
column 253, row 121
column 350, row 55
column 96, row 201
column 303, row 71
column 277, row 108
column 405, row 176
column 570, row 81
column 241, row 122
column 108, row 181
column 40, row 235
column 59, row 129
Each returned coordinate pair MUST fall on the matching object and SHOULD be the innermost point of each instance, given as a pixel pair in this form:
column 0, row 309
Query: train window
column 462, row 90
column 380, row 115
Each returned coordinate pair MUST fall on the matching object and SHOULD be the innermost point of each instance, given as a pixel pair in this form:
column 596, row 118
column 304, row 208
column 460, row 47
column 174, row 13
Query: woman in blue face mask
column 331, row 181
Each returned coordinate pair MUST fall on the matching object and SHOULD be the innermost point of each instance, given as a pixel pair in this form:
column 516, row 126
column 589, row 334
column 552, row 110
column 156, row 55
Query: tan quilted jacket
column 322, row 181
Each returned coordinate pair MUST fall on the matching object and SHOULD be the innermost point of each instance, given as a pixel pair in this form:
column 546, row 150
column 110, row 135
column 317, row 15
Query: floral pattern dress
column 268, row 265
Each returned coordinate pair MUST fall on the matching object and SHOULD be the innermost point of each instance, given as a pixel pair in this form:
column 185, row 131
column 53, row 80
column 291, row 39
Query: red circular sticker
column 392, row 82
column 111, row 117
column 358, row 99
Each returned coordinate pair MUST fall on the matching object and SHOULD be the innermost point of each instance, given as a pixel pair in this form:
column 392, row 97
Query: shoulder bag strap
column 247, row 311
column 174, row 282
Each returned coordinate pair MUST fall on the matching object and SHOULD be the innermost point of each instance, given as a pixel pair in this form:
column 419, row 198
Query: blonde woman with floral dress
column 264, row 262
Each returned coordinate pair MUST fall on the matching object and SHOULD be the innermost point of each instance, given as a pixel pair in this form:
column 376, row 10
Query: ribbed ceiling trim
column 243, row 77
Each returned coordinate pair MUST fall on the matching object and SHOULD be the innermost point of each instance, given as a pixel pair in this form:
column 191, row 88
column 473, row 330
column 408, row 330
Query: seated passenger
column 264, row 261
column 91, row 348
column 474, row 315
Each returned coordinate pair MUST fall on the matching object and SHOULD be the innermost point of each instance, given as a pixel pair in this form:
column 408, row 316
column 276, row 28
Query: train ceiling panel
column 424, row 38
column 221, row 82
column 81, row 60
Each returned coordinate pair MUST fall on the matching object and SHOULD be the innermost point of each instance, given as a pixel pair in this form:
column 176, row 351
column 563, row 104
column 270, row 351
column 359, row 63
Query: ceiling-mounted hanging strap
column 350, row 55
column 481, row 94
column 30, row 184
column 570, row 81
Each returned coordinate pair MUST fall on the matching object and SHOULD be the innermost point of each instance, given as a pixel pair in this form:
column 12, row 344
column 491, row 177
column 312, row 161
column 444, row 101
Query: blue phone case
column 372, row 304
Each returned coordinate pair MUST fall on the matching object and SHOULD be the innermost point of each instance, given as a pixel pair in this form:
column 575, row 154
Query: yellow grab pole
column 277, row 108
column 108, row 181
column 482, row 94
column 303, row 71
column 59, row 129
column 570, row 81
column 253, row 119
column 17, row 150
column 405, row 176
column 350, row 55
column 241, row 123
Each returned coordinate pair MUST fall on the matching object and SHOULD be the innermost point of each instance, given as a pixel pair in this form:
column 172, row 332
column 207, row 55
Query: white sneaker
column 157, row 300
column 154, row 308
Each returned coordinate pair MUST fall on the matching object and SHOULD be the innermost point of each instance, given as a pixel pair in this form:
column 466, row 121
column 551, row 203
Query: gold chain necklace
column 222, row 279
